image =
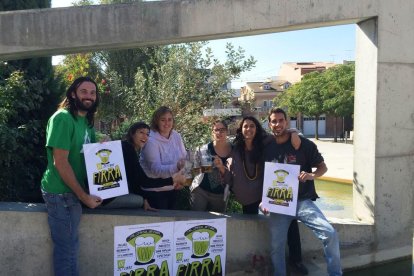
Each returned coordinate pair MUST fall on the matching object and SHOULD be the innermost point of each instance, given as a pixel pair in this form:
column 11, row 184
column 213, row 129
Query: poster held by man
column 105, row 169
column 280, row 188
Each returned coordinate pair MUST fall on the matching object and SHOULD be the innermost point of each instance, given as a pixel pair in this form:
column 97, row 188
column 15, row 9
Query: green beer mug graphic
column 144, row 249
column 200, row 237
column 201, row 243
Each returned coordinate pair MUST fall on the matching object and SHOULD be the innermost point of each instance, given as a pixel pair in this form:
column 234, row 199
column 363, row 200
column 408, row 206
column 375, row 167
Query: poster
column 144, row 249
column 105, row 169
column 280, row 188
column 199, row 247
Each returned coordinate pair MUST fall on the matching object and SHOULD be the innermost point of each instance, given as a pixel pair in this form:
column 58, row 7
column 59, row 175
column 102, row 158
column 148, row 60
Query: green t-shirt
column 65, row 132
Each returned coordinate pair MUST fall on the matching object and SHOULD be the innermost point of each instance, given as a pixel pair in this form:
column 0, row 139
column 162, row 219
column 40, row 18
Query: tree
column 77, row 65
column 189, row 81
column 338, row 94
column 330, row 92
column 12, row 5
column 185, row 78
column 28, row 96
column 305, row 97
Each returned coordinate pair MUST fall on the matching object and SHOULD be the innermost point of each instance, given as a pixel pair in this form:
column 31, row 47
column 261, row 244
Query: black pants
column 161, row 200
column 295, row 247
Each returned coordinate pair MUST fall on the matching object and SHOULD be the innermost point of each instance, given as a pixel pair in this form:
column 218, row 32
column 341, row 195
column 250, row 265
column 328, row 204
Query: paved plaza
column 339, row 157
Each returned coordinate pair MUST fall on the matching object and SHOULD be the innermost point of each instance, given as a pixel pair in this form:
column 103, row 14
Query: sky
column 328, row 44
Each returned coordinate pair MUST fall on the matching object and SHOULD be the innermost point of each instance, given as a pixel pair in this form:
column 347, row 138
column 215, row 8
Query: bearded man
column 308, row 157
column 63, row 183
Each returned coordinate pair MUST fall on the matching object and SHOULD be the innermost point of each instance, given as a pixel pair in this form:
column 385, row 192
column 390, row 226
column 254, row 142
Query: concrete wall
column 26, row 247
column 384, row 99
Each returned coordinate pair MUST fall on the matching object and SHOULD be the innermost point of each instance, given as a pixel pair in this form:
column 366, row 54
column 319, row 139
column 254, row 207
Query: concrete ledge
column 27, row 248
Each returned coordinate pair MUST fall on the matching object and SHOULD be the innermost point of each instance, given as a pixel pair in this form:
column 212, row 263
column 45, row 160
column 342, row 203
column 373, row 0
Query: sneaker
column 299, row 267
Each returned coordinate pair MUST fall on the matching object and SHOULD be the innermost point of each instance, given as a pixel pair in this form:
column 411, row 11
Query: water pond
column 335, row 198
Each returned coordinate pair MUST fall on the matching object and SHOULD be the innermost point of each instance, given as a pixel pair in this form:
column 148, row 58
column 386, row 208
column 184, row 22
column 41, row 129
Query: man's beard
column 80, row 106
column 279, row 133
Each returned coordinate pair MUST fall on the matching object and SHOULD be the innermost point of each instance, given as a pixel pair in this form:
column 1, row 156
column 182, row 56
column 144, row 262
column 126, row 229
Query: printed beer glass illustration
column 201, row 243
column 144, row 242
column 144, row 249
column 200, row 237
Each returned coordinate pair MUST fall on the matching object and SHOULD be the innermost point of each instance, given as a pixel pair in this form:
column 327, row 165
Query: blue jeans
column 309, row 214
column 64, row 213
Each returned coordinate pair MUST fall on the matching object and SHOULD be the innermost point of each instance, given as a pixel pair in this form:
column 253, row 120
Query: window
column 266, row 86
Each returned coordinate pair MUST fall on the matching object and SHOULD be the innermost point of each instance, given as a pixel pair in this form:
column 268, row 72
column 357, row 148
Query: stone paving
column 339, row 157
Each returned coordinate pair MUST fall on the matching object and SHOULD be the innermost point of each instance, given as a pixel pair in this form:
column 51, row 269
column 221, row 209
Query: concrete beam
column 46, row 32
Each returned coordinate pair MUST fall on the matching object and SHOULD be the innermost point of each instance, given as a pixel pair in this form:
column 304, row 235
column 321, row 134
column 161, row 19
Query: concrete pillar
column 384, row 126
column 364, row 120
column 394, row 135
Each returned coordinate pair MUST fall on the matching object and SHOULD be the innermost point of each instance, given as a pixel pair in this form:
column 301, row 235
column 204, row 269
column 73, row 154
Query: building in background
column 293, row 72
column 257, row 97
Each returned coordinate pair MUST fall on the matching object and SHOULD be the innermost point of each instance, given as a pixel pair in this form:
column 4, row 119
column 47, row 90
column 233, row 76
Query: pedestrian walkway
column 339, row 158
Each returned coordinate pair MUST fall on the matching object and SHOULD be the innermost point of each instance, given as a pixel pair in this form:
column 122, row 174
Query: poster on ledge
column 144, row 249
column 280, row 188
column 105, row 169
column 200, row 247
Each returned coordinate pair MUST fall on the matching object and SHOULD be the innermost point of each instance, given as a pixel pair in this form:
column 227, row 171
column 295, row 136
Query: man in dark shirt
column 307, row 156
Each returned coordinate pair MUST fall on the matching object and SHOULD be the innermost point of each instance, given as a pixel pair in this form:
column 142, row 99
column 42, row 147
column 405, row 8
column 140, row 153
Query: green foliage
column 24, row 104
column 121, row 131
column 233, row 206
column 111, row 107
column 83, row 3
column 11, row 5
column 126, row 62
column 309, row 94
column 28, row 96
column 183, row 202
column 78, row 65
column 187, row 80
column 183, row 77
column 338, row 94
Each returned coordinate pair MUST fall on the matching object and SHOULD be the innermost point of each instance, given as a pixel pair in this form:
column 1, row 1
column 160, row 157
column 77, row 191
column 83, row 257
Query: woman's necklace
column 245, row 169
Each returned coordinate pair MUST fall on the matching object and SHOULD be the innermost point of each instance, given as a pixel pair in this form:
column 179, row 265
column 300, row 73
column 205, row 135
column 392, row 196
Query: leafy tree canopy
column 328, row 92
column 29, row 94
column 188, row 80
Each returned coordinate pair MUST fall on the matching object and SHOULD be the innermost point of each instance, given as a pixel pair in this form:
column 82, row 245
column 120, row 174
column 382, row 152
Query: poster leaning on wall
column 181, row 248
column 200, row 247
column 144, row 249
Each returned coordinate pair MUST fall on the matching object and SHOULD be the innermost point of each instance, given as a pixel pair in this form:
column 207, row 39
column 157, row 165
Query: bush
column 26, row 103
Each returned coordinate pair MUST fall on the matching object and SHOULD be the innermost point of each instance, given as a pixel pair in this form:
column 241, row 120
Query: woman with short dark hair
column 135, row 139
